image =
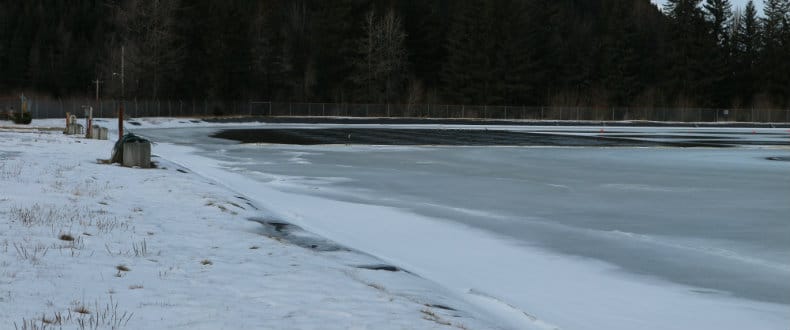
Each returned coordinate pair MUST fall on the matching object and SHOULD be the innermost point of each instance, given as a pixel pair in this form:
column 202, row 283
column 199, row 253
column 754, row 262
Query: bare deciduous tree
column 298, row 55
column 383, row 56
column 154, row 50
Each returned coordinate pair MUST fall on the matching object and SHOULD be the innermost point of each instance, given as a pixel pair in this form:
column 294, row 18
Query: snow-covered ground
column 88, row 245
column 513, row 237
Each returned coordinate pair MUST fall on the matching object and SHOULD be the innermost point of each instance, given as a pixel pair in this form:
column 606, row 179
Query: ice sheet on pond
column 711, row 219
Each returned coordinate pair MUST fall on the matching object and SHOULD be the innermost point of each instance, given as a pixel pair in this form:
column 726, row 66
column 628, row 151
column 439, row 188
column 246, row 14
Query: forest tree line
column 701, row 53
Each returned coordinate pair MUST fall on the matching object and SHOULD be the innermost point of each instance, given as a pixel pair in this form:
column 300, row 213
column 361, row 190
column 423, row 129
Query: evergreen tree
column 620, row 58
column 337, row 28
column 515, row 53
column 719, row 15
column 470, row 71
column 424, row 24
column 266, row 62
column 746, row 47
column 776, row 50
column 688, row 80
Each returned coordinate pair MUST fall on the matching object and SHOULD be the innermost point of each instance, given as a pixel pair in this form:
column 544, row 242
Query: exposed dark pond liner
column 748, row 142
column 297, row 236
column 379, row 267
column 438, row 137
column 779, row 158
column 134, row 123
column 279, row 226
column 503, row 122
column 650, row 136
column 440, row 306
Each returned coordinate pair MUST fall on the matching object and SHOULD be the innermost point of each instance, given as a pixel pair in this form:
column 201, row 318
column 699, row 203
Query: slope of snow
column 84, row 244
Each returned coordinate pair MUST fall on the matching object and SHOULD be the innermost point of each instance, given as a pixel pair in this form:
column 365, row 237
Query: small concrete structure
column 103, row 133
column 74, row 129
column 98, row 133
column 137, row 154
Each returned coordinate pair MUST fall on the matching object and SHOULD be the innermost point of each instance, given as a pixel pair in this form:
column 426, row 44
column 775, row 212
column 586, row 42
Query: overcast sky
column 735, row 4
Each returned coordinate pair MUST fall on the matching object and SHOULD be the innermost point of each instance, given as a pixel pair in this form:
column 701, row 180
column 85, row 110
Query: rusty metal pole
column 120, row 121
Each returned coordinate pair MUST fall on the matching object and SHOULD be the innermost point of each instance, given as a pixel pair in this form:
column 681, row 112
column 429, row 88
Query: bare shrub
column 11, row 170
column 107, row 316
column 140, row 249
column 31, row 253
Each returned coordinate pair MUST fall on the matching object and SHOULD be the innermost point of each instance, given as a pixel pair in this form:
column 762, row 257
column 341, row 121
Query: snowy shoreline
column 89, row 244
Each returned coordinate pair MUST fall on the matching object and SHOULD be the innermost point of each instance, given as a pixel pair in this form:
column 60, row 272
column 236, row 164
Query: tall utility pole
column 89, row 118
column 123, row 97
column 97, row 82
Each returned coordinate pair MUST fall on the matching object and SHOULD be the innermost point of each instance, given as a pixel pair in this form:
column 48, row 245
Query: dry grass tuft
column 82, row 310
column 122, row 268
column 206, row 262
column 66, row 237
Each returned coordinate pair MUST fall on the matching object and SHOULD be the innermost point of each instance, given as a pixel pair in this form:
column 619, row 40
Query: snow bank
column 88, row 244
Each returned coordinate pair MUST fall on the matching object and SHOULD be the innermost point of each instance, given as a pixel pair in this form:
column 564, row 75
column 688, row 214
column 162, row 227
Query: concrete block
column 137, row 154
column 95, row 132
column 74, row 129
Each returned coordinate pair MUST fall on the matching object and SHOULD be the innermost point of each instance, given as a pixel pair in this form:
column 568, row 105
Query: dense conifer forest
column 701, row 53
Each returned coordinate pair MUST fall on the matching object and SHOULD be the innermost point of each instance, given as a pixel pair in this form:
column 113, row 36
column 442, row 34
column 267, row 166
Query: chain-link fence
column 48, row 108
column 517, row 112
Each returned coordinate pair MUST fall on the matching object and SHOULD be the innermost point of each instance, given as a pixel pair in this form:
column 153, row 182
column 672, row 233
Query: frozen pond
column 714, row 220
